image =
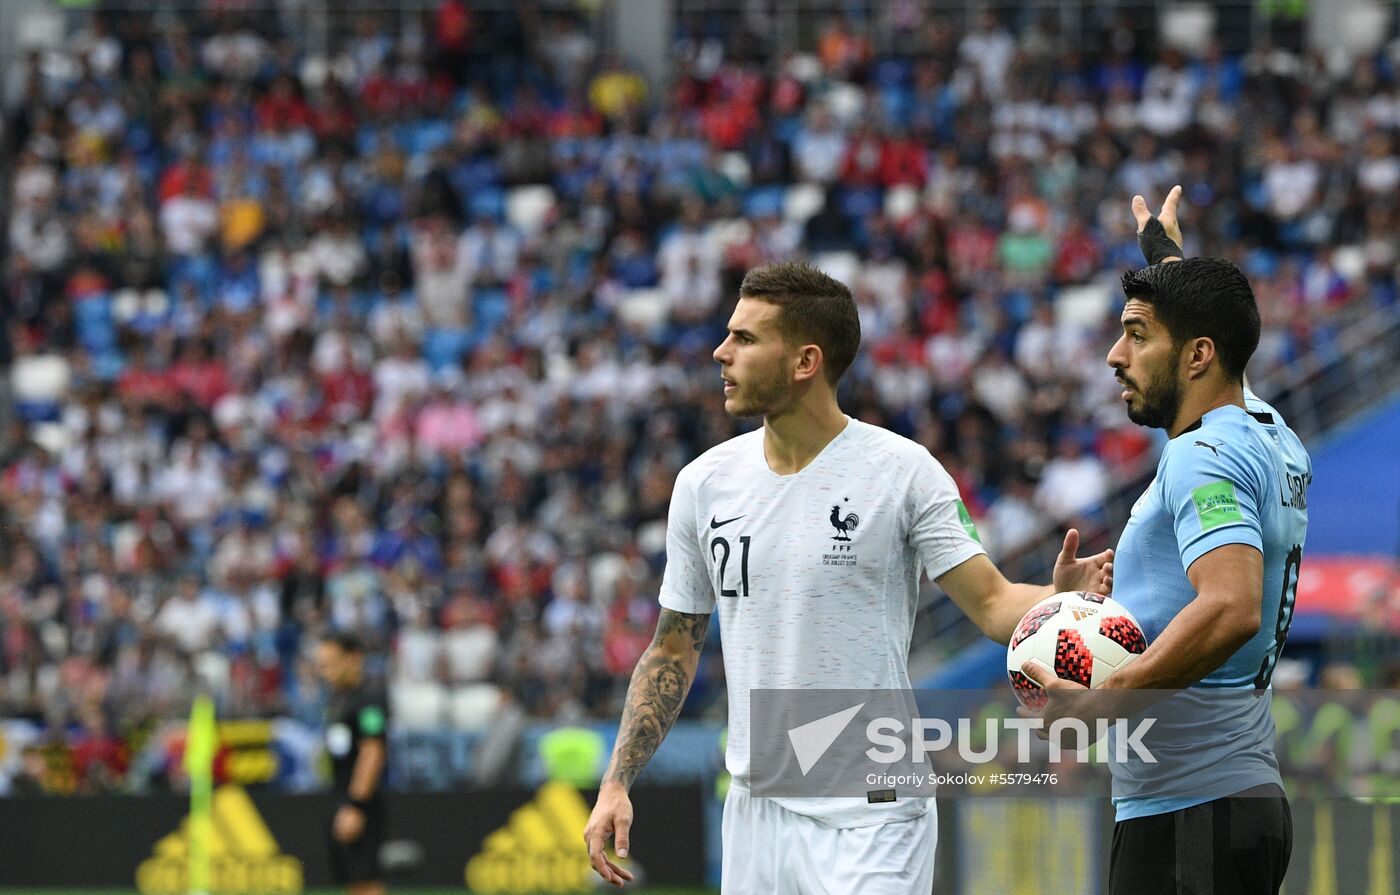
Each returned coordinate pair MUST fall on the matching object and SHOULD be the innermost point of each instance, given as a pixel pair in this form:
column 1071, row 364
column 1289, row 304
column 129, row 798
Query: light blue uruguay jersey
column 1239, row 476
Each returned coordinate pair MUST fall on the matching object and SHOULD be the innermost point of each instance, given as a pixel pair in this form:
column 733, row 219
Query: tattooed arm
column 659, row 687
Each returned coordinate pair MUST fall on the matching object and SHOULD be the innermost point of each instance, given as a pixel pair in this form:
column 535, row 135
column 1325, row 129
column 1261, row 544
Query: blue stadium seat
column 444, row 348
column 859, row 202
column 487, row 202
column 491, row 307
column 93, row 319
column 764, row 201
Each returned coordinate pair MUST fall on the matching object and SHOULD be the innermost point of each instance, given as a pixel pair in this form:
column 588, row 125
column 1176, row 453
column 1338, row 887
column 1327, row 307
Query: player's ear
column 1200, row 356
column 809, row 363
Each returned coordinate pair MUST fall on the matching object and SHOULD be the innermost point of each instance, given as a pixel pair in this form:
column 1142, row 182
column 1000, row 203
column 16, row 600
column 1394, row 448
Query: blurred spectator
column 988, row 49
column 1340, row 676
column 1073, row 483
column 616, row 91
column 190, row 619
column 32, row 777
column 819, row 147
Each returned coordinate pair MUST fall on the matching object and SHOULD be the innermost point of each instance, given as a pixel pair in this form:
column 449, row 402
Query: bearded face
column 1145, row 361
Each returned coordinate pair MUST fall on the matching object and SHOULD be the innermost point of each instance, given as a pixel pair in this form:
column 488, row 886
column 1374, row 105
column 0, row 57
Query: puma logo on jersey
column 1211, row 446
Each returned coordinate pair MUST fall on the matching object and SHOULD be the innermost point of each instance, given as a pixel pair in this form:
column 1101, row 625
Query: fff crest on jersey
column 844, row 522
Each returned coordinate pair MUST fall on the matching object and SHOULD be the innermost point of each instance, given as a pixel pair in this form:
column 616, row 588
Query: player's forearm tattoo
column 659, row 685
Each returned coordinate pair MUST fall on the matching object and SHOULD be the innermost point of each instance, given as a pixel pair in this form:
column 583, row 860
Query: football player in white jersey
column 810, row 536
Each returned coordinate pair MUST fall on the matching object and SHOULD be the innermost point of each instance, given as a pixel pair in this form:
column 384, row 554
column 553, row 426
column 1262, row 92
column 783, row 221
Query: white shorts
column 769, row 850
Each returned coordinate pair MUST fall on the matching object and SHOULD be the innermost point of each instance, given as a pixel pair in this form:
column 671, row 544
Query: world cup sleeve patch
column 1216, row 505
column 372, row 721
column 966, row 519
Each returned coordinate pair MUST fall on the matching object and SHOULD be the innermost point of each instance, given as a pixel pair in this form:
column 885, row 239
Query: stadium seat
column 418, row 705
column 1363, row 30
column 424, row 757
column 895, row 105
column 843, row 266
column 197, row 271
column 1188, row 27
column 52, row 437
column 470, row 652
column 214, row 670
column 858, row 203
column 527, row 208
column 1085, row 306
column 1350, row 263
column 491, row 307
column 108, row 365
column 93, row 316
column 735, row 231
column 763, row 201
column 901, row 202
column 893, row 72
column 142, row 310
column 846, row 102
column 443, row 348
column 473, row 706
column 651, row 538
column 423, row 137
column 603, row 571
column 803, row 201
column 487, row 202
column 805, row 67
column 644, row 309
column 461, row 746
column 736, row 167
column 39, row 382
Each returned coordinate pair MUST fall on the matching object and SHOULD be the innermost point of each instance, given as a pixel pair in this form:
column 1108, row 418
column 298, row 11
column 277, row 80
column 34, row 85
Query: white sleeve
column 940, row 530
column 685, row 585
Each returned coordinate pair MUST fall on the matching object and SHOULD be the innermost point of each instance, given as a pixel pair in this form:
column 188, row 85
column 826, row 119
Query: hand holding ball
column 1084, row 637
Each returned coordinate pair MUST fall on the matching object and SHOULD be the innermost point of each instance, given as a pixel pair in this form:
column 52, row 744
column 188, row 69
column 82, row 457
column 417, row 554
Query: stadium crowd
column 411, row 337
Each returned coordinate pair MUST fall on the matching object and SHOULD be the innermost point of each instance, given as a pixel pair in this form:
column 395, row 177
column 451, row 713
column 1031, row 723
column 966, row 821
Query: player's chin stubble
column 1158, row 404
column 756, row 397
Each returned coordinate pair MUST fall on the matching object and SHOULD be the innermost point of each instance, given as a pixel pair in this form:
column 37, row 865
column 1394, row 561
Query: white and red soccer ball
column 1084, row 637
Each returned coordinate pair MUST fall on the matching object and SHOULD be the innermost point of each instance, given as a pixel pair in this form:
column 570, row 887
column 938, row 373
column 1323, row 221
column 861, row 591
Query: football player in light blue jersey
column 1208, row 563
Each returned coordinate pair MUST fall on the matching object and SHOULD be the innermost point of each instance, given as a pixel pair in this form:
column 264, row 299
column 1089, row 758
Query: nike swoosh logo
column 714, row 523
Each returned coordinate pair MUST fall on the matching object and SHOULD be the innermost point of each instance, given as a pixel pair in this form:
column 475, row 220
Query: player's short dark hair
column 1202, row 297
column 347, row 641
column 813, row 308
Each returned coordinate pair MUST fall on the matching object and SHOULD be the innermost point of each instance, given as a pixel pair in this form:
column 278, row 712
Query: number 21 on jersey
column 720, row 551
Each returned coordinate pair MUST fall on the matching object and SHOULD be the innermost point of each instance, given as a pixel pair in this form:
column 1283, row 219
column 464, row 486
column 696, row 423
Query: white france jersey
column 816, row 574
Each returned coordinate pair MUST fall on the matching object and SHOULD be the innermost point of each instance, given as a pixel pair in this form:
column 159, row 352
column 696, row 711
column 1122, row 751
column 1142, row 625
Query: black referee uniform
column 352, row 717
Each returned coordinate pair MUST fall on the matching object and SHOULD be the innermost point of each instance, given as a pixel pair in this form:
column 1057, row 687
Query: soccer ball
column 1085, row 637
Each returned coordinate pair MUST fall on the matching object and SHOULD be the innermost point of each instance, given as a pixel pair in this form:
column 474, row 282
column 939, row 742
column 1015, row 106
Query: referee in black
column 356, row 730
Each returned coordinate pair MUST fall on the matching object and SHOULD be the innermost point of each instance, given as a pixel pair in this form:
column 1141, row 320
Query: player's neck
column 794, row 438
column 1196, row 406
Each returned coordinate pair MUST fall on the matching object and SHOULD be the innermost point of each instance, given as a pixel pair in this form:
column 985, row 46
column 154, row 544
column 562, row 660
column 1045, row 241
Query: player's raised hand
column 611, row 819
column 1159, row 235
column 1092, row 573
column 1167, row 215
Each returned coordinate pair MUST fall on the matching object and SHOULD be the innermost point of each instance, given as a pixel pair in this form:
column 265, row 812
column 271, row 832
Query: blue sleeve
column 1216, row 498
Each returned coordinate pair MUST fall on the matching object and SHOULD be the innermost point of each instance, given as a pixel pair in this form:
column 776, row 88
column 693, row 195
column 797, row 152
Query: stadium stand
column 409, row 333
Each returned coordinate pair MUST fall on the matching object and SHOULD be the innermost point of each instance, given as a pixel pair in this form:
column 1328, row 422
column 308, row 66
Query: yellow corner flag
column 200, row 742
